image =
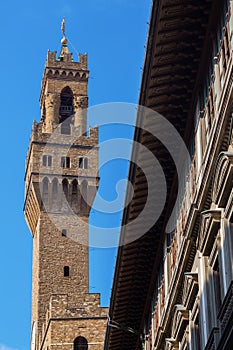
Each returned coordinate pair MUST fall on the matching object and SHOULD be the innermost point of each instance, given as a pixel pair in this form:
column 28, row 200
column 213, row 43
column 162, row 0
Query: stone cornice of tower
column 65, row 69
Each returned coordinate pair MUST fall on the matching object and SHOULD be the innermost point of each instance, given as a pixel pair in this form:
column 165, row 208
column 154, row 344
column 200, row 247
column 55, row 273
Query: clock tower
column 60, row 184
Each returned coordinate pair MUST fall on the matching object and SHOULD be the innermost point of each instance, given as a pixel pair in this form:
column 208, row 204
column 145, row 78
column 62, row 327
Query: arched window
column 80, row 343
column 74, row 187
column 83, row 76
column 54, row 193
column 65, row 195
column 54, row 187
column 74, row 195
column 65, row 187
column 66, row 106
column 84, row 196
column 45, row 191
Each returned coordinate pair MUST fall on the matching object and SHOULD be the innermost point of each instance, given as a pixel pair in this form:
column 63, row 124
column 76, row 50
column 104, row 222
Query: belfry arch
column 66, row 104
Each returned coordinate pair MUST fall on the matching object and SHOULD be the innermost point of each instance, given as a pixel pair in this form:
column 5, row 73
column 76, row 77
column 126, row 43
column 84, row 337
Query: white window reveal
column 65, row 162
column 47, row 160
column 83, row 162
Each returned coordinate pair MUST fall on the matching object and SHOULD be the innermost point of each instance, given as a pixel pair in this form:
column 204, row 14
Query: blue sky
column 114, row 34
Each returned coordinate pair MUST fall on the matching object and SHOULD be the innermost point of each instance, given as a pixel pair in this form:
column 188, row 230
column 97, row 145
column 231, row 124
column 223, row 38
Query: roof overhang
column 175, row 57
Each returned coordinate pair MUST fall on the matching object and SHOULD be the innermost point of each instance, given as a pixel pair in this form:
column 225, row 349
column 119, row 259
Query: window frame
column 83, row 162
column 47, row 160
column 64, row 232
column 66, row 271
column 65, row 162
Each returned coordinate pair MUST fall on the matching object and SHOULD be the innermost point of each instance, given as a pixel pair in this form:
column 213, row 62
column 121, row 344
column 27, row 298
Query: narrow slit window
column 64, row 233
column 66, row 271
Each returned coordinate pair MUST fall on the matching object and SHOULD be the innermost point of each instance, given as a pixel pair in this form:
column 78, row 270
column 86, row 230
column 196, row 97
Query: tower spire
column 64, row 41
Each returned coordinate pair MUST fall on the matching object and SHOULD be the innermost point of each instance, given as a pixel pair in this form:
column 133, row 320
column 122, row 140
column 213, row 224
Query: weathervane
column 64, row 40
column 63, row 26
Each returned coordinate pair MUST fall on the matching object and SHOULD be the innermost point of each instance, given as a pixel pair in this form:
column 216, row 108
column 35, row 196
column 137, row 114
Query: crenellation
column 53, row 62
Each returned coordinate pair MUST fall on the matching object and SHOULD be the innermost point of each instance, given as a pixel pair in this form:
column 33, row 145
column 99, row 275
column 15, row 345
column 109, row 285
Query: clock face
column 33, row 336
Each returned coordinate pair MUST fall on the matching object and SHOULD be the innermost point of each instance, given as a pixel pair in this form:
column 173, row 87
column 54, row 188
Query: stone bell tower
column 60, row 184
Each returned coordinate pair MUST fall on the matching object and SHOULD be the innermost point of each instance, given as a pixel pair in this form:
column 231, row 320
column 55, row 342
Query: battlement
column 64, row 90
column 56, row 62
column 64, row 69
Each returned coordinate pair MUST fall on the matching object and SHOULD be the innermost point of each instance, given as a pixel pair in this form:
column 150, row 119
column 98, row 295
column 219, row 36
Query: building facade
column 174, row 290
column 60, row 183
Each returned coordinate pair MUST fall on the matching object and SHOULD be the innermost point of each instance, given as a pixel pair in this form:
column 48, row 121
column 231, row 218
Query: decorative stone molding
column 66, row 74
column 172, row 343
column 190, row 289
column 210, row 223
column 180, row 320
column 223, row 178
